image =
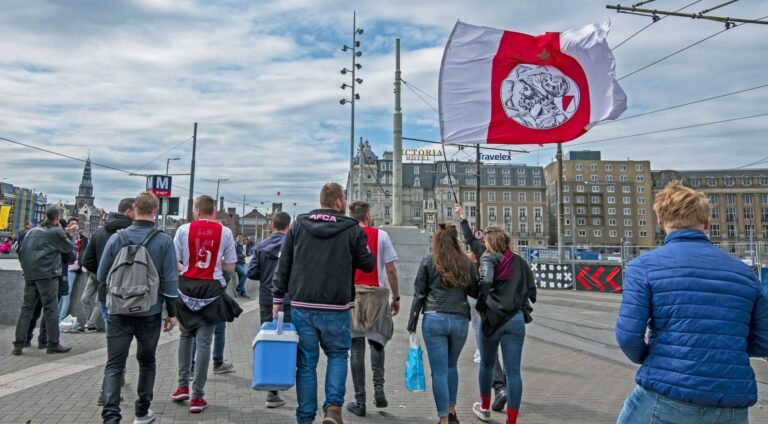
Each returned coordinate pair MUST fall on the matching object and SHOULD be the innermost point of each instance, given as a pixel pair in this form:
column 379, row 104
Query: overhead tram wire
column 719, row 96
column 682, row 50
column 163, row 154
column 652, row 22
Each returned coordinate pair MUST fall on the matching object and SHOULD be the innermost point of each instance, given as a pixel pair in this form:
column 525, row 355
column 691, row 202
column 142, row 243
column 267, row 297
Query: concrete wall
column 411, row 245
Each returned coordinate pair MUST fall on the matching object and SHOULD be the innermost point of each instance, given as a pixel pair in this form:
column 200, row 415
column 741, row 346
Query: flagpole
column 560, row 209
column 478, row 213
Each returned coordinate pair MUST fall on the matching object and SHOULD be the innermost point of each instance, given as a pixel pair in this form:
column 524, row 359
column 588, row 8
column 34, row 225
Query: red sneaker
column 182, row 393
column 197, row 405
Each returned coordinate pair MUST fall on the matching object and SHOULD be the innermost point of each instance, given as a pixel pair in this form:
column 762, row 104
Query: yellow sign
column 5, row 212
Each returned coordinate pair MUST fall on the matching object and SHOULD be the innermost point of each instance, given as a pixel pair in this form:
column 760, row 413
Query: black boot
column 17, row 350
column 59, row 348
column 379, row 398
column 356, row 408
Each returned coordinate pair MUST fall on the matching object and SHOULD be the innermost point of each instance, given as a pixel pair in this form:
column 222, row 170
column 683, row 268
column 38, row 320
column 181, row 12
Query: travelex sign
column 495, row 156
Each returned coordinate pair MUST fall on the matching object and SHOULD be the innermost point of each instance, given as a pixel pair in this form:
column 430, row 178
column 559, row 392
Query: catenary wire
column 652, row 22
column 163, row 154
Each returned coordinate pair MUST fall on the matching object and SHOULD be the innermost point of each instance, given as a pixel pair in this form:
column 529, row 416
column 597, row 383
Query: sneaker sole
column 273, row 405
column 196, row 409
column 180, row 398
column 329, row 420
column 224, row 371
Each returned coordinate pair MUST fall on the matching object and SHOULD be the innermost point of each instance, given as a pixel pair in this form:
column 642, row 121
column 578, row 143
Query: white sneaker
column 477, row 356
column 147, row 419
column 483, row 414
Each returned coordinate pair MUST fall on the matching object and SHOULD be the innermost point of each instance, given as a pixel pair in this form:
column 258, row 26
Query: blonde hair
column 496, row 239
column 679, row 207
column 145, row 203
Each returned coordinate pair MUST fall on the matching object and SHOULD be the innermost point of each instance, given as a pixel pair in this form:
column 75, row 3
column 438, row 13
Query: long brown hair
column 496, row 240
column 450, row 261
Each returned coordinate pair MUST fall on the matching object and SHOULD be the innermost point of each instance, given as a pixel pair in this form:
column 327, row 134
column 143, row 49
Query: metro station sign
column 160, row 185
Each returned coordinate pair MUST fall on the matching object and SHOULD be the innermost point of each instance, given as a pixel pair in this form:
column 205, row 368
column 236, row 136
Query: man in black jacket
column 41, row 256
column 317, row 267
column 95, row 249
column 477, row 248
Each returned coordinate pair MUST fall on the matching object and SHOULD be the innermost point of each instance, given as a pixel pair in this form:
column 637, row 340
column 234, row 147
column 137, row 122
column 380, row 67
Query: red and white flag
column 505, row 87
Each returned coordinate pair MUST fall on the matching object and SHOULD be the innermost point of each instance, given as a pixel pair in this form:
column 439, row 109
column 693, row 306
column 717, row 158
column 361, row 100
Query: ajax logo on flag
column 539, row 97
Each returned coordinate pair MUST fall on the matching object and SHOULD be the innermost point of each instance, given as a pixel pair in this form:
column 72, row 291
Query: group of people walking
column 691, row 315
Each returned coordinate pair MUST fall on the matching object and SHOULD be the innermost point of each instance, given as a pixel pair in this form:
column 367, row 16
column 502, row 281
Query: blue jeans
column 65, row 300
column 104, row 314
column 510, row 337
column 331, row 331
column 648, row 407
column 444, row 337
column 243, row 276
column 219, row 339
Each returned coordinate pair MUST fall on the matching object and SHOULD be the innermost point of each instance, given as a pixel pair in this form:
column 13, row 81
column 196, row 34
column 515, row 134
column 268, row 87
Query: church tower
column 85, row 192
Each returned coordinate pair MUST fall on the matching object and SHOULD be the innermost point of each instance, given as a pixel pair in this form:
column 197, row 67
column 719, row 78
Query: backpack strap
column 123, row 237
column 149, row 236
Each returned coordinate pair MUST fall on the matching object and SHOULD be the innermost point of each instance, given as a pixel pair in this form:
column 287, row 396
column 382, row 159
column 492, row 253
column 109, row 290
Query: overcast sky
column 127, row 80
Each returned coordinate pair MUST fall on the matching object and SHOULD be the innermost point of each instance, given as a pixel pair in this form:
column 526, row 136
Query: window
column 596, row 211
column 593, row 167
column 566, row 188
column 581, row 199
column 453, row 167
column 641, row 212
column 764, row 198
column 747, row 181
column 566, row 211
column 522, row 212
column 642, row 223
column 567, row 232
column 715, row 213
column 627, row 211
column 623, row 168
column 492, row 213
column 416, row 212
column 566, row 199
column 748, row 199
column 639, row 167
column 415, row 170
column 471, row 181
column 612, row 222
column 582, row 233
column 579, row 167
column 580, row 188
column 695, row 182
column 538, row 229
column 643, row 233
column 491, row 180
column 596, row 222
column 749, row 230
column 521, row 181
column 641, row 189
column 469, row 196
column 595, row 189
column 640, row 178
column 491, row 170
column 507, row 181
column 609, row 178
column 714, row 230
column 611, row 189
column 623, row 178
column 730, row 214
column 507, row 213
column 579, row 178
column 626, row 189
column 491, row 196
column 711, row 181
column 595, row 199
column 416, row 182
column 611, row 211
column 521, row 197
column 765, row 215
column 506, row 196
column 449, row 212
column 749, row 213
column 730, row 199
column 523, row 230
column 471, row 211
column 388, row 208
column 611, row 200
column 641, row 200
column 731, row 230
column 581, row 210
column 537, row 213
column 593, row 178
column 537, row 197
column 598, row 233
column 712, row 199
column 520, row 171
column 764, row 181
column 627, row 200
column 536, row 171
column 537, row 181
column 628, row 233
column 505, row 171
column 608, row 167
column 765, row 235
column 613, row 234
column 728, row 181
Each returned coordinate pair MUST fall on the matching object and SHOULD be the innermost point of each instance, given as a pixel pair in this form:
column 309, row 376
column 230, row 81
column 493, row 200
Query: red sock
column 485, row 402
column 511, row 416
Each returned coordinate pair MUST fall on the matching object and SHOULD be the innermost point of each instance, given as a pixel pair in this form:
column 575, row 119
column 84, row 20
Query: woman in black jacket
column 442, row 283
column 506, row 284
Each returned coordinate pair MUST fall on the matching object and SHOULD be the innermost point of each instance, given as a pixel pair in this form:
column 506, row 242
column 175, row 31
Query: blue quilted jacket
column 706, row 314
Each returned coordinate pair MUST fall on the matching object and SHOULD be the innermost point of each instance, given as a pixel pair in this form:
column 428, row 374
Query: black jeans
column 120, row 333
column 46, row 292
column 357, row 365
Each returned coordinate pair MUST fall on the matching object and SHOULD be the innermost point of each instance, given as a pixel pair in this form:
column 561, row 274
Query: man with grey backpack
column 138, row 267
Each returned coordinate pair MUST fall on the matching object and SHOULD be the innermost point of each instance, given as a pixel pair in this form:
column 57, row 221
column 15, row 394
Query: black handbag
column 527, row 311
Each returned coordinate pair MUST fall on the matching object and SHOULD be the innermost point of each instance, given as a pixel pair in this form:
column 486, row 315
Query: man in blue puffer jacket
column 706, row 314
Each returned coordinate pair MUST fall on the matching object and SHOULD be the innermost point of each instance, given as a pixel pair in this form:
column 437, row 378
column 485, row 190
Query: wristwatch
column 396, row 298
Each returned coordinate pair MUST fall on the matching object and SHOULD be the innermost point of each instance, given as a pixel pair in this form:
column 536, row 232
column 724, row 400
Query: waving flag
column 510, row 88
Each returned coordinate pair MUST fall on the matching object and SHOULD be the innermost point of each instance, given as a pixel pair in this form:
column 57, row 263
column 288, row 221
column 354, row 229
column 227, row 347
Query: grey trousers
column 89, row 302
column 204, row 336
column 357, row 366
column 46, row 291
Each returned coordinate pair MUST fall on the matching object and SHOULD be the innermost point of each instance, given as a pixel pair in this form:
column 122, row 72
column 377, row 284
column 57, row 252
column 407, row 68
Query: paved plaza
column 572, row 372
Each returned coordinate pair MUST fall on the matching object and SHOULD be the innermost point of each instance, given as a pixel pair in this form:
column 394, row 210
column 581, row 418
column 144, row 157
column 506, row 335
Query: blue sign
column 160, row 185
column 587, row 256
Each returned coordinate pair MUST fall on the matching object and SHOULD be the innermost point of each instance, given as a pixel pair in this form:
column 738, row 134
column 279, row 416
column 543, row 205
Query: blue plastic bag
column 414, row 367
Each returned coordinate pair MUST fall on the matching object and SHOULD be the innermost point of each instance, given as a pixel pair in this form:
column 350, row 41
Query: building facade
column 606, row 203
column 739, row 207
column 26, row 205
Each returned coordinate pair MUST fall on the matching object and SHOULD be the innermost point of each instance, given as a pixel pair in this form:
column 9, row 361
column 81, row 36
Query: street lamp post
column 352, row 100
column 218, row 183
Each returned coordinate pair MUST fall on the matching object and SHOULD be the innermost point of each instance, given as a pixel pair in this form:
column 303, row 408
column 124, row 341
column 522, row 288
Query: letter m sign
column 160, row 185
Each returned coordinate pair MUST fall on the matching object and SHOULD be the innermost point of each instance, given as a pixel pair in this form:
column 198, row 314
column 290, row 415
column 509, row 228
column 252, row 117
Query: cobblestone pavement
column 572, row 372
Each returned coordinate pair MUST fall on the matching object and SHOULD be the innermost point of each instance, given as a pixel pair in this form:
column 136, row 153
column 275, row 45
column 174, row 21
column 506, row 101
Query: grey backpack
column 132, row 281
